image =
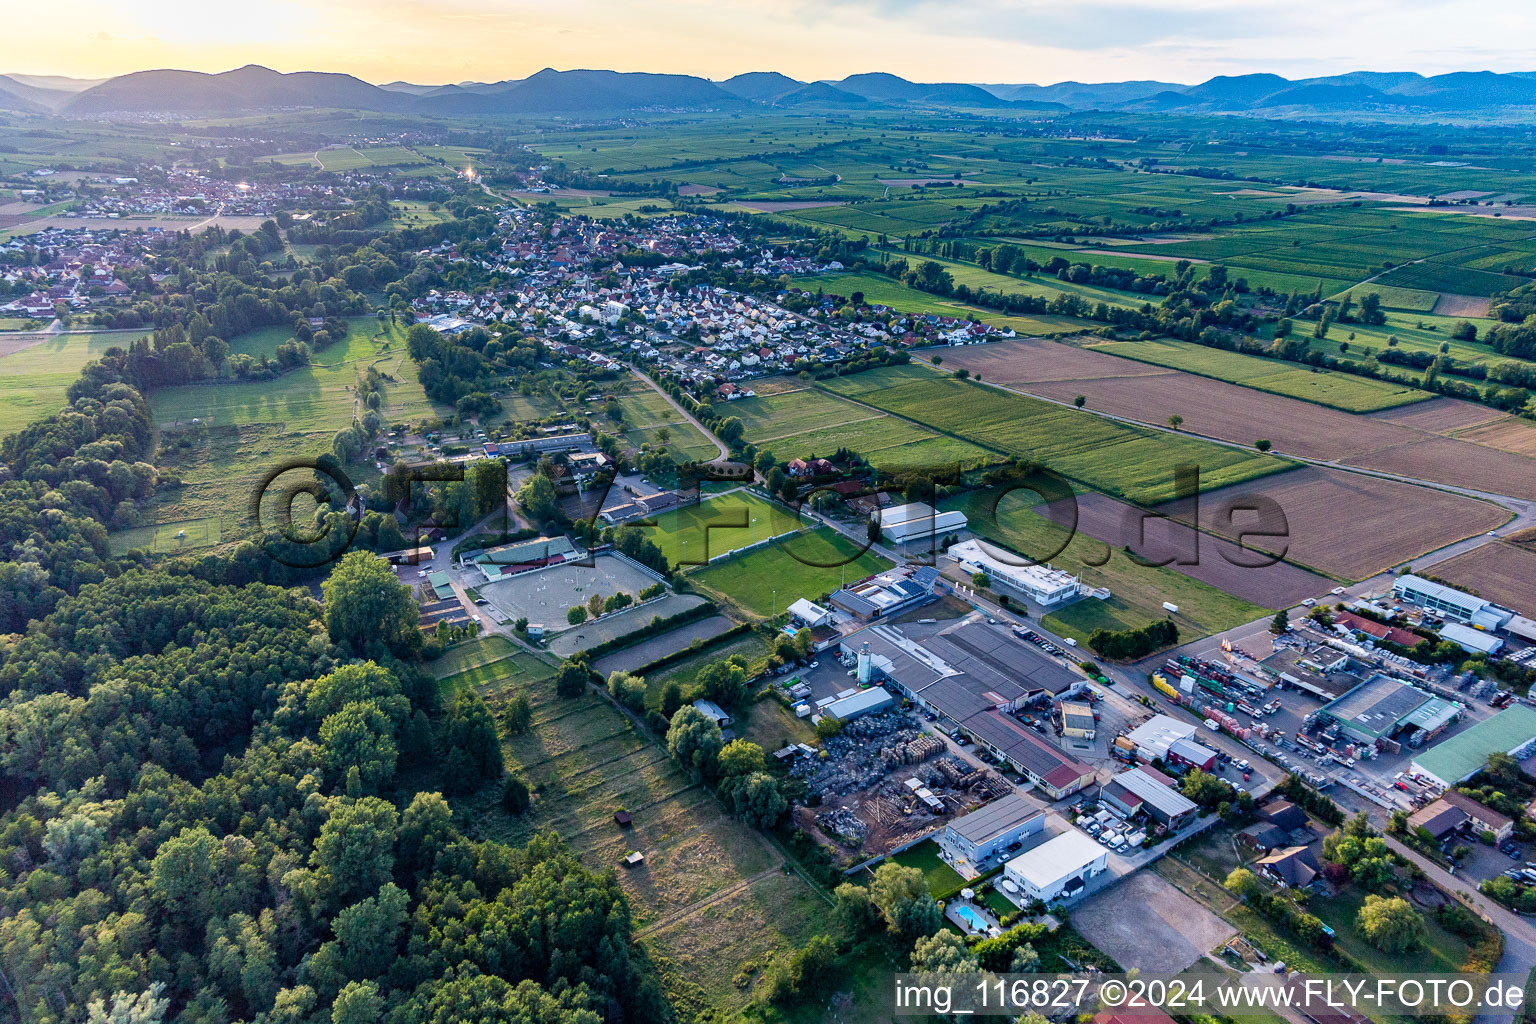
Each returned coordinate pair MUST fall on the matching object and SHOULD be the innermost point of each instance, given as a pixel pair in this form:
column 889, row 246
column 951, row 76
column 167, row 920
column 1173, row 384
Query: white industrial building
column 1450, row 602
column 1154, row 736
column 1473, row 641
column 876, row 698
column 1058, row 868
column 811, row 614
column 1042, row 584
column 917, row 521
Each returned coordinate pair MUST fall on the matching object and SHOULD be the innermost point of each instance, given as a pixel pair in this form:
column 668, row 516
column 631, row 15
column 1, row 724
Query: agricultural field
column 1343, row 524
column 1138, row 591
column 1115, row 458
column 1323, row 387
column 1499, row 572
column 1138, row 391
column 767, row 580
column 718, row 525
column 809, row 423
column 37, row 369
column 710, row 895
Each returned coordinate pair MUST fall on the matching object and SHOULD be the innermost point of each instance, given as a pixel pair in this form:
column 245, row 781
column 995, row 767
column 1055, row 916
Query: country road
column 725, row 452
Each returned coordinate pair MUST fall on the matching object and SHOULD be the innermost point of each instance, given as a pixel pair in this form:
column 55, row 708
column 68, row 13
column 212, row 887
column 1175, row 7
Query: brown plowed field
column 1220, row 563
column 1461, row 463
column 1345, row 524
column 1439, row 415
column 1500, row 572
column 1507, row 433
column 1123, row 387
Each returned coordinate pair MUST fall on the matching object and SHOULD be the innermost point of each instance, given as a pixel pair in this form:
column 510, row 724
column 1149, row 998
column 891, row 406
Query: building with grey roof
column 972, row 840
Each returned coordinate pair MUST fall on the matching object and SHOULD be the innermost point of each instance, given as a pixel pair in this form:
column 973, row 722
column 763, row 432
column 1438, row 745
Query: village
column 653, row 312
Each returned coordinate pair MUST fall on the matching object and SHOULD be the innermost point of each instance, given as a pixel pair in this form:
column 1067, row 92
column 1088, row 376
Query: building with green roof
column 1464, row 755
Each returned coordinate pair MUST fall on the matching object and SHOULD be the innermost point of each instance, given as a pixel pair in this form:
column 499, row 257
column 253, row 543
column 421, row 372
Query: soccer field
column 719, row 525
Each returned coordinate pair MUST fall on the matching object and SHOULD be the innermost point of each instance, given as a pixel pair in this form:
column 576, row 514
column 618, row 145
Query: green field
column 806, row 422
column 719, row 525
column 1114, row 458
column 1324, row 387
column 710, row 895
column 318, row 398
column 1138, row 590
column 169, row 538
column 769, row 579
column 35, row 377
column 647, row 413
column 246, row 429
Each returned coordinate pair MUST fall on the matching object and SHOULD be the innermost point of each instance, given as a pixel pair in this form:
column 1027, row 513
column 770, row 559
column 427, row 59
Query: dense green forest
column 221, row 799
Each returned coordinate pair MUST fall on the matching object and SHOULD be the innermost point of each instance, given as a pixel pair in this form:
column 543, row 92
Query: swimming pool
column 970, row 917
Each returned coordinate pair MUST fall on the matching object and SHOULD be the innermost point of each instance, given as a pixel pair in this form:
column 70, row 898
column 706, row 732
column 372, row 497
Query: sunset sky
column 999, row 41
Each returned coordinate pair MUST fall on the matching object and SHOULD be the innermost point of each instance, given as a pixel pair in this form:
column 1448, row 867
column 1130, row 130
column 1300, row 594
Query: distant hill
column 409, row 89
column 761, row 86
column 599, row 92
column 773, row 89
column 1079, row 95
column 11, row 100
column 249, row 88
column 552, row 91
column 886, row 88
column 37, row 97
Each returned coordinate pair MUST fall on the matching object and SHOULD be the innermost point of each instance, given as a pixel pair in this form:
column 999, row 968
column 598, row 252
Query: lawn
column 767, row 580
column 1336, row 390
column 941, row 878
column 1117, row 459
column 1442, row 951
column 719, row 525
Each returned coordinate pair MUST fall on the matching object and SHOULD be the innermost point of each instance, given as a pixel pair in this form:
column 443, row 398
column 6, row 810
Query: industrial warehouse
column 901, row 524
column 1511, row 731
column 972, row 841
column 1381, row 708
column 971, row 676
column 1042, row 584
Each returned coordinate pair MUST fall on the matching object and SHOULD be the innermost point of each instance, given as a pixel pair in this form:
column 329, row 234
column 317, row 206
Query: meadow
column 242, row 430
column 767, row 580
column 710, row 895
column 1115, row 458
column 37, row 369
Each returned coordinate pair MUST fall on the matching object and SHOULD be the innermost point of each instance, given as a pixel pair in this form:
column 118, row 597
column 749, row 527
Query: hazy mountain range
column 254, row 88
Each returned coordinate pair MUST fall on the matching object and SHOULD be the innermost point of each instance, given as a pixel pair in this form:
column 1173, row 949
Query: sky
column 991, row 41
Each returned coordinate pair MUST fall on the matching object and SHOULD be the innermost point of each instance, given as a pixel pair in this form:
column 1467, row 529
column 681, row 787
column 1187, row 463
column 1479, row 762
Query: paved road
column 725, row 452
